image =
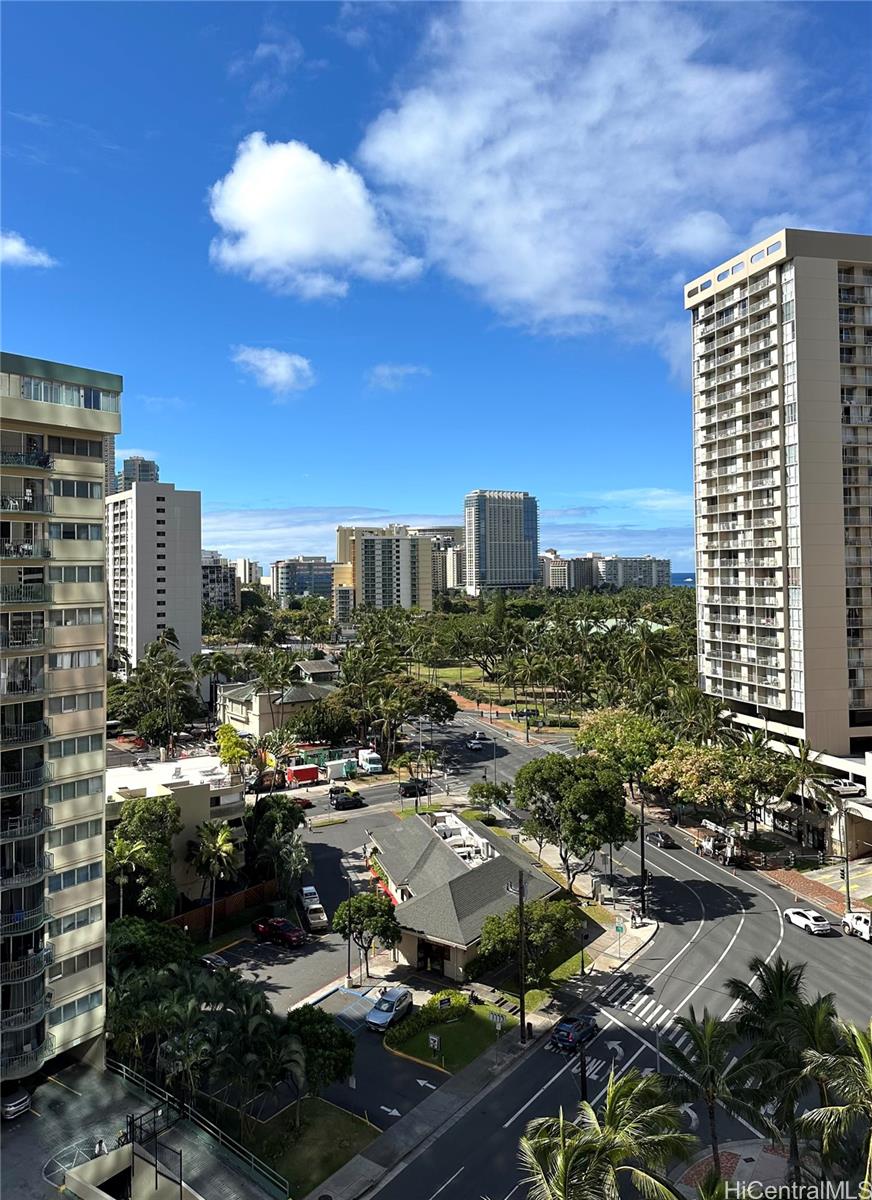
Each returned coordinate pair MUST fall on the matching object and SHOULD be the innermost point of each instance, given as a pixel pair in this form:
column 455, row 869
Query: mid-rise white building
column 53, row 710
column 221, row 585
column 567, row 574
column 502, row 540
column 455, row 567
column 620, row 571
column 387, row 568
column 248, row 571
column 154, row 556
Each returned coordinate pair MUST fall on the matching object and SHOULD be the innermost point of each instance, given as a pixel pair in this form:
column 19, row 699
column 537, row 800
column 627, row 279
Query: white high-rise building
column 155, row 578
column 620, row 571
column 53, row 710
column 782, row 401
column 502, row 540
column 387, row 568
column 248, row 571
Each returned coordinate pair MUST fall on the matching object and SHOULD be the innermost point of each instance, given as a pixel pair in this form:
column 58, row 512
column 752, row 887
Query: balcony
column 33, row 685
column 25, row 781
column 27, row 967
column 21, row 1018
column 17, row 1066
column 24, row 874
column 25, row 549
column 25, row 639
column 26, row 825
column 24, row 735
column 26, row 504
column 25, row 593
column 27, row 458
column 25, row 920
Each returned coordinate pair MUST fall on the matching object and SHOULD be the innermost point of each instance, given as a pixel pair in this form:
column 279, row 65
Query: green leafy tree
column 153, row 821
column 368, row 918
column 698, row 775
column 630, row 741
column 288, row 857
column 482, row 793
column 808, row 777
column 329, row 1047
column 132, row 942
column 216, row 856
column 846, row 1073
column 549, row 925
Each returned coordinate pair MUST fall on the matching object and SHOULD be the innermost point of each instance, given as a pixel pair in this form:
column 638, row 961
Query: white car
column 845, row 787
column 309, row 896
column 807, row 919
column 317, row 917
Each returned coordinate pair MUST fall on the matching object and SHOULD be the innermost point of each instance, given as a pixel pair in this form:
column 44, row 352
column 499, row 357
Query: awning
column 856, row 809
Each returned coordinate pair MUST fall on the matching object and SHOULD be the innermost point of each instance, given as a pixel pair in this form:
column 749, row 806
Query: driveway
column 384, row 1086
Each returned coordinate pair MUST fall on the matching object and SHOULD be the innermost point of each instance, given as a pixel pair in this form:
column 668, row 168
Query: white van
column 858, row 924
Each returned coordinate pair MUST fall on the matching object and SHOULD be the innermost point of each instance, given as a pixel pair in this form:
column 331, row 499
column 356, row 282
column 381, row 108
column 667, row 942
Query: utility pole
column 348, row 965
column 847, row 861
column 518, row 889
column 644, row 903
column 495, row 760
column 582, row 1070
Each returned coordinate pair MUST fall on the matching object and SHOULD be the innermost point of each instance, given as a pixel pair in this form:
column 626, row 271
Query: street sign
column 444, row 1001
column 434, row 1042
column 497, row 1018
column 619, row 927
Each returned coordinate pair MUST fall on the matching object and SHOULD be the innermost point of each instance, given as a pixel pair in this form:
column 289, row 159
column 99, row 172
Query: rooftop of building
column 298, row 693
column 155, row 777
column 44, row 368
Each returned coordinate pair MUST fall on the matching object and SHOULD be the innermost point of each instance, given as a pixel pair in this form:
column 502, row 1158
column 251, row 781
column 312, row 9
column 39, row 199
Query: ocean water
column 683, row 579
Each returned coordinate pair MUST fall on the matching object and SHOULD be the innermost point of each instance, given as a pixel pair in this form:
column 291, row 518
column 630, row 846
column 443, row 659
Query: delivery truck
column 369, row 762
column 305, row 773
column 340, row 768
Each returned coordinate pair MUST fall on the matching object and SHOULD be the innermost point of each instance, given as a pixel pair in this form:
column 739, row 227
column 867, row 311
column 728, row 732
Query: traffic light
column 841, row 872
column 765, row 862
column 820, row 858
column 791, row 860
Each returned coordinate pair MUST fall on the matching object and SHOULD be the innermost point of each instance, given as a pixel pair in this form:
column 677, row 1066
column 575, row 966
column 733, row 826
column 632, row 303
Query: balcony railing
column 31, row 1014
column 25, row 920
column 27, row 458
column 22, row 874
column 25, row 593
column 34, row 685
column 25, row 549
column 28, row 966
column 22, row 735
column 16, row 1066
column 26, row 825
column 21, row 503
column 24, row 639
column 25, row 781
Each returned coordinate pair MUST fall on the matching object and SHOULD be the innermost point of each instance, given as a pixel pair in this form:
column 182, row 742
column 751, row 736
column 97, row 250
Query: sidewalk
column 805, row 888
column 752, row 1162
column 444, row 1107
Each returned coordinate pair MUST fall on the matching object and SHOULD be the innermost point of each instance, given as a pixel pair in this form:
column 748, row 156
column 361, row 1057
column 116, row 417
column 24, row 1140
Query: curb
column 422, row 1062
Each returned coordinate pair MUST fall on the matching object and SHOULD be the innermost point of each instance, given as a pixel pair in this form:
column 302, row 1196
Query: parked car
column 661, row 839
column 346, row 800
column 214, row 962
column 15, row 1101
column 858, row 924
column 278, row 929
column 569, row 1033
column 303, row 801
column 391, row 1006
column 807, row 919
column 264, row 781
column 520, row 713
column 316, row 917
column 309, row 895
column 413, row 787
column 474, row 744
column 845, row 787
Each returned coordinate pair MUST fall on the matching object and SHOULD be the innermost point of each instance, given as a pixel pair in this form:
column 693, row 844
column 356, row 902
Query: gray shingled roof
column 317, row 666
column 298, row 693
column 452, row 900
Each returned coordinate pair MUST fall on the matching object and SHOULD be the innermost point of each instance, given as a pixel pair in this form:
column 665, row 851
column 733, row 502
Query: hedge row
column 428, row 1014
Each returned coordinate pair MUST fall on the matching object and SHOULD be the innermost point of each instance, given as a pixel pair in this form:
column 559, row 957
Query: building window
column 91, row 915
column 76, row 963
column 81, row 489
column 92, row 786
column 75, row 574
column 67, row 835
column 80, row 702
column 76, row 616
column 75, row 1008
column 75, row 877
column 66, row 660
column 68, row 747
column 79, row 531
column 75, row 447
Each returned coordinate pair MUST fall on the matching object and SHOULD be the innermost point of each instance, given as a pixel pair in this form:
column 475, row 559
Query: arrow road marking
column 616, row 1048
column 594, row 1066
column 392, row 1112
column 426, row 1083
column 691, row 1116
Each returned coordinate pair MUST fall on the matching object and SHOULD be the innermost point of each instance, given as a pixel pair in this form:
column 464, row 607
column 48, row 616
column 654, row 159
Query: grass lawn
column 462, row 1040
column 564, row 967
column 422, row 808
column 328, row 1138
column 602, row 916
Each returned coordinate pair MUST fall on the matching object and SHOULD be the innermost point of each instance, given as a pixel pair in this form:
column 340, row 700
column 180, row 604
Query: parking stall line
column 445, row 1184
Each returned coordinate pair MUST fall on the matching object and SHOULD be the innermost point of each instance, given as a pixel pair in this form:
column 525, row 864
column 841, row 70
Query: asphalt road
column 711, row 924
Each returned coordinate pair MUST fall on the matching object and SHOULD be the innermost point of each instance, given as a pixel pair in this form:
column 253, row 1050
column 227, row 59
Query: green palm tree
column 216, row 857
column 634, row 1135
column 288, row 856
column 707, row 1072
column 285, row 1059
column 123, row 857
column 808, row 779
column 847, row 1073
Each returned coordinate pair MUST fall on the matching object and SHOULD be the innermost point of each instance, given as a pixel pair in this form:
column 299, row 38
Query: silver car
column 15, row 1101
column 391, row 1006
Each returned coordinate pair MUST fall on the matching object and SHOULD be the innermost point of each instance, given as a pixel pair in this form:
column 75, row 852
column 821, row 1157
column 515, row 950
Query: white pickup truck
column 858, row 924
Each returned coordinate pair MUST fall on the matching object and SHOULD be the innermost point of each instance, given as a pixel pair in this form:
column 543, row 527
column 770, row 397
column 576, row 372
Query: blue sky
column 355, row 260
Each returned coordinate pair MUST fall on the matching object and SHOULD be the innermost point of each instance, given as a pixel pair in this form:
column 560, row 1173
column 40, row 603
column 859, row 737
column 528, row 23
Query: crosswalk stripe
column 640, row 999
column 617, row 989
column 653, row 1013
column 665, row 1017
column 685, row 1037
column 642, row 1011
column 666, row 1030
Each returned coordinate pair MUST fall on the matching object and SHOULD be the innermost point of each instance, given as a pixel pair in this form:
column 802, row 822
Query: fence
column 228, row 907
column 234, row 1151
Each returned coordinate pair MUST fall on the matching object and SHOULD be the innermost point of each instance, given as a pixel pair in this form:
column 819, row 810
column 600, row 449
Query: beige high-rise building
column 502, row 540
column 387, row 568
column 52, row 703
column 153, row 556
column 782, row 402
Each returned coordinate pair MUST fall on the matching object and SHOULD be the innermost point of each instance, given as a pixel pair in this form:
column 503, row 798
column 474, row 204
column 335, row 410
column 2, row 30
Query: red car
column 303, row 801
column 278, row 929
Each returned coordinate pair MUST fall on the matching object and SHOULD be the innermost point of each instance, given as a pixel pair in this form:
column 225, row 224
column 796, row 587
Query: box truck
column 369, row 762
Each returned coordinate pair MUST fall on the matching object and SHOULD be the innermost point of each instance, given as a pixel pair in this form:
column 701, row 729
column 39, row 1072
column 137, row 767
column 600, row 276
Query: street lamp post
column 644, row 902
column 495, row 760
column 518, row 889
column 348, row 935
column 845, row 854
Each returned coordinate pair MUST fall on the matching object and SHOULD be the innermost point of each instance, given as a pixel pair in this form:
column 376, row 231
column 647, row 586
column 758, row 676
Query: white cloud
column 275, row 370
column 564, row 160
column 269, row 65
column 15, row 251
column 391, row 377
column 650, row 499
column 293, row 221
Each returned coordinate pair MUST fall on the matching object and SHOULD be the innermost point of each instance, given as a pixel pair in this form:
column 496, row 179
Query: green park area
column 460, row 1040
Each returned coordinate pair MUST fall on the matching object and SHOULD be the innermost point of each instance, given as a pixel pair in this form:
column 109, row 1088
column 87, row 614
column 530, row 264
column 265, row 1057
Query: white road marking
column 451, row 1180
column 640, row 1013
column 640, row 999
column 512, row 1192
column 653, row 1013
column 665, row 1017
column 536, row 1095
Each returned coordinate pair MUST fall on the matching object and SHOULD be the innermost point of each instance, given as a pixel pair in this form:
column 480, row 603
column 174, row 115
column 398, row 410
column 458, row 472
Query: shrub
column 479, row 814
column 428, row 1015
